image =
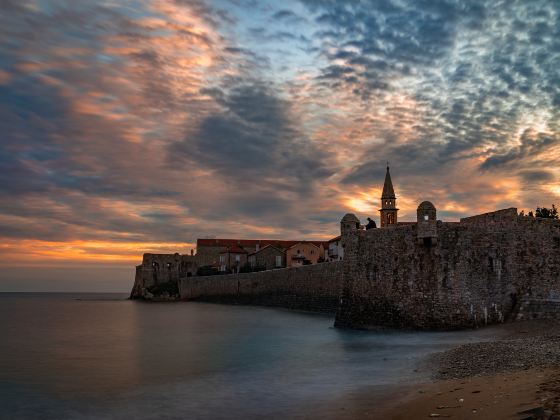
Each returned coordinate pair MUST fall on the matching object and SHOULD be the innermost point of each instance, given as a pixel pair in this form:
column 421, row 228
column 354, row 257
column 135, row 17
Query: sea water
column 100, row 356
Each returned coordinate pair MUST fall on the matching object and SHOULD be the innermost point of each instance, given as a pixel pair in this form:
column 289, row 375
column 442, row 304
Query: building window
column 298, row 251
column 222, row 258
column 237, row 258
column 279, row 261
column 311, row 252
column 425, row 217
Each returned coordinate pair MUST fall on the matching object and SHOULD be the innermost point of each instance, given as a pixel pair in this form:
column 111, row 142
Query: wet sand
column 516, row 376
column 514, row 395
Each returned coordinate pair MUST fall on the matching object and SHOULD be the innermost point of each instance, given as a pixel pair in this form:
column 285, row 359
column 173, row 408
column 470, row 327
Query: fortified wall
column 427, row 274
column 161, row 268
column 314, row 288
column 438, row 275
column 485, row 269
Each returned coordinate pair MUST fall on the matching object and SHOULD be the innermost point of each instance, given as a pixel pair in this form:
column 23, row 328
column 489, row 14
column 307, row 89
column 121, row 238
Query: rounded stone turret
column 349, row 222
column 426, row 212
column 427, row 223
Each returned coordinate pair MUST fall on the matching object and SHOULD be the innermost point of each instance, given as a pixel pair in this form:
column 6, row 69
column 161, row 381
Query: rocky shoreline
column 508, row 355
column 516, row 375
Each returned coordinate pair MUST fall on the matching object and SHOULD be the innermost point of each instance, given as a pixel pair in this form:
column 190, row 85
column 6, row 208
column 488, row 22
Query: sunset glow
column 39, row 252
column 140, row 126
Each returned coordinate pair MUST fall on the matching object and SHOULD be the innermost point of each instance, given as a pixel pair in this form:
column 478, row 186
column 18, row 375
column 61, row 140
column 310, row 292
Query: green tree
column 547, row 213
column 248, row 268
column 543, row 212
column 171, row 287
column 207, row 270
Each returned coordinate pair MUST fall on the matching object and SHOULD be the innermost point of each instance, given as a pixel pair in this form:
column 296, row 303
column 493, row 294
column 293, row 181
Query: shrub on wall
column 207, row 270
column 170, row 287
column 543, row 212
column 248, row 268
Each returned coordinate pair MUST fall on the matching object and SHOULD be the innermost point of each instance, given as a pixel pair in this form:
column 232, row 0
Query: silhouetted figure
column 371, row 224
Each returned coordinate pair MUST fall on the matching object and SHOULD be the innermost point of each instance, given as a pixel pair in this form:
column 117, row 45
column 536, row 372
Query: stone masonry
column 161, row 268
column 314, row 288
column 427, row 274
column 485, row 269
column 437, row 275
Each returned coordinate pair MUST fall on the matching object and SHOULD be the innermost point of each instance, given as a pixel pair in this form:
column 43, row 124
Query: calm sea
column 101, row 356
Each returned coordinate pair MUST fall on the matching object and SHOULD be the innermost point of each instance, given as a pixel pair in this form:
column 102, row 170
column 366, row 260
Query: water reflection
column 65, row 346
column 63, row 357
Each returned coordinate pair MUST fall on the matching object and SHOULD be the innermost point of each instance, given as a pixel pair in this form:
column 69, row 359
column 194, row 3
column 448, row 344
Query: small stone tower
column 349, row 222
column 427, row 223
column 389, row 208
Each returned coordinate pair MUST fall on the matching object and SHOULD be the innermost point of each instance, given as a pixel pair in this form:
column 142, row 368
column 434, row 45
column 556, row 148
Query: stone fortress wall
column 485, row 269
column 427, row 274
column 437, row 275
column 314, row 288
column 162, row 268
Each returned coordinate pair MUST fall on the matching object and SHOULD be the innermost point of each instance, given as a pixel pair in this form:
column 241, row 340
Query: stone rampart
column 484, row 269
column 475, row 273
column 487, row 219
column 313, row 288
column 161, row 268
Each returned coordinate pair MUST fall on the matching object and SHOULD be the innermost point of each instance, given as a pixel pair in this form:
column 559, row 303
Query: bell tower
column 388, row 212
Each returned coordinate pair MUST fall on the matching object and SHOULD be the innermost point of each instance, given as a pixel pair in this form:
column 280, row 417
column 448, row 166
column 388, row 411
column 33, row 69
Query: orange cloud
column 34, row 252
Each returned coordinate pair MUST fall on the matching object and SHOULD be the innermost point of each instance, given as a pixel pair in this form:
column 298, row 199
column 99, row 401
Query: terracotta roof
column 233, row 250
column 266, row 247
column 252, row 242
column 315, row 244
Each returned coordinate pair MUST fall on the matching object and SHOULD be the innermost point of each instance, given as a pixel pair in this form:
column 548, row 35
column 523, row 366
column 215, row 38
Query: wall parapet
column 505, row 215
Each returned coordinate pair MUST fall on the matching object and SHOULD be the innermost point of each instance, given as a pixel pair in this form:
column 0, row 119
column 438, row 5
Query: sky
column 139, row 126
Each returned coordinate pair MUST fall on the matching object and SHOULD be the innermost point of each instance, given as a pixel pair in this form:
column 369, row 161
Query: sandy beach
column 517, row 377
column 515, row 395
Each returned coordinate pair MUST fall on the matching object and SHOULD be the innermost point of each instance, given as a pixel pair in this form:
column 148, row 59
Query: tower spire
column 388, row 191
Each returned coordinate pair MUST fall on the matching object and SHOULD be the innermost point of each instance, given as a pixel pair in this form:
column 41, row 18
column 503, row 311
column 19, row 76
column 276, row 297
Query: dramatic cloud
column 144, row 124
column 254, row 137
column 448, row 85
